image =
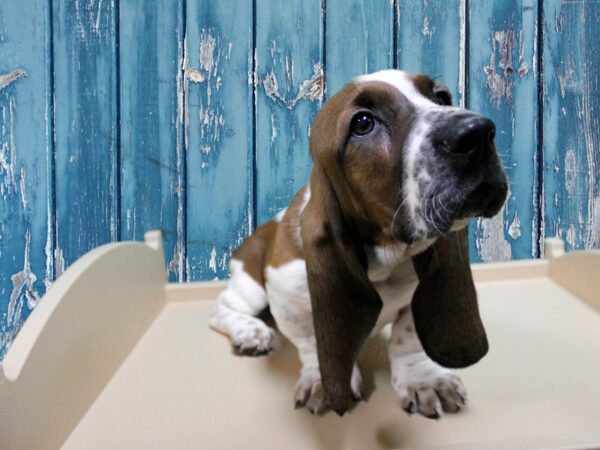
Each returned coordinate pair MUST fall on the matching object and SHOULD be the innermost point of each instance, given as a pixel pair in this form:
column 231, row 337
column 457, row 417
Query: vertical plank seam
column 51, row 148
column 395, row 31
column 467, row 52
column 539, row 189
column 254, row 156
column 183, row 176
column 116, row 234
column 324, row 46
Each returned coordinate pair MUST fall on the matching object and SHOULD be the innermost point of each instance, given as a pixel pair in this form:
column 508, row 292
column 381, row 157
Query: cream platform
column 116, row 358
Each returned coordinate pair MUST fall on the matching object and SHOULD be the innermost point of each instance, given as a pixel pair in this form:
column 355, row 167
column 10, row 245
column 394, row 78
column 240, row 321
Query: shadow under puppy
column 378, row 236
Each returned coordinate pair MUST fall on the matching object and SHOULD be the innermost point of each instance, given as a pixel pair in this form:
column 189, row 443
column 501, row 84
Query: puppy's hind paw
column 256, row 339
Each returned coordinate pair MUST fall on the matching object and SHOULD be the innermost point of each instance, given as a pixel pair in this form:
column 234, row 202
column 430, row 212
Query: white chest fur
column 390, row 269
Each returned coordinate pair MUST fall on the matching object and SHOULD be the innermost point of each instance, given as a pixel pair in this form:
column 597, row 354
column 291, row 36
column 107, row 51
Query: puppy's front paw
column 425, row 387
column 309, row 391
column 253, row 339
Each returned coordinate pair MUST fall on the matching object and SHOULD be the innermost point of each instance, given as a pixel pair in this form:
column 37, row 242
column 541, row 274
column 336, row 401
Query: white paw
column 425, row 387
column 253, row 338
column 309, row 391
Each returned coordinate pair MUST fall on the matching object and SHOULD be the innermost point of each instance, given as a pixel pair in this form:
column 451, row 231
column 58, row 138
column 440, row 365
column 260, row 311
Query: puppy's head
column 402, row 159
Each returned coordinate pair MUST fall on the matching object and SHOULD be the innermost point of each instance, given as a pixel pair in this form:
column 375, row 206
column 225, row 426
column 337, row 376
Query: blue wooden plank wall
column 193, row 116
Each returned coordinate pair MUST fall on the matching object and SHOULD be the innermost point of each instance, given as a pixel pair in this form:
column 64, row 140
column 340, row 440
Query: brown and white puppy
column 378, row 236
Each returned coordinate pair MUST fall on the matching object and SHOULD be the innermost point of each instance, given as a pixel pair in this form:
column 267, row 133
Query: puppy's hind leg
column 235, row 315
column 422, row 385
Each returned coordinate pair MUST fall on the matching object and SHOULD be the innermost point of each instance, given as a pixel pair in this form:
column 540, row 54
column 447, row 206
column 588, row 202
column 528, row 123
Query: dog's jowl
column 377, row 236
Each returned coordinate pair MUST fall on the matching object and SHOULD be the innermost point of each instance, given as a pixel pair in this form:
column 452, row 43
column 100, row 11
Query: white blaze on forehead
column 417, row 136
column 404, row 83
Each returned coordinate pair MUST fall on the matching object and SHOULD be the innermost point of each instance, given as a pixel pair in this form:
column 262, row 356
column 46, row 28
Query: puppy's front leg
column 422, row 385
column 294, row 320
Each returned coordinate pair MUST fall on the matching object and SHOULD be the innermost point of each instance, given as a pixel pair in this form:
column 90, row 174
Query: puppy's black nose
column 475, row 134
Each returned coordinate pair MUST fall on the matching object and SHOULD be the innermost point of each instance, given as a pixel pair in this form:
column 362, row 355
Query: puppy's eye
column 362, row 123
column 442, row 98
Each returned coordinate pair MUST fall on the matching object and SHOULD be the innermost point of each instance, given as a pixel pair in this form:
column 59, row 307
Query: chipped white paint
column 514, row 230
column 212, row 263
column 523, row 66
column 571, row 236
column 272, row 88
column 8, row 78
column 194, row 76
column 311, row 89
column 570, row 171
column 207, row 50
column 593, row 240
column 565, row 78
column 23, row 190
column 273, row 127
column 23, row 292
column 425, row 29
column 499, row 73
column 492, row 246
column 8, row 153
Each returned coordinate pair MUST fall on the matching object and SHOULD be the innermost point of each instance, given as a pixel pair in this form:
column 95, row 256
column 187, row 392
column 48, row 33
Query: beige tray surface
column 181, row 386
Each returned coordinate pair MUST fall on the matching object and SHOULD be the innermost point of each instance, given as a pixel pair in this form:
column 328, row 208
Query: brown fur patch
column 252, row 252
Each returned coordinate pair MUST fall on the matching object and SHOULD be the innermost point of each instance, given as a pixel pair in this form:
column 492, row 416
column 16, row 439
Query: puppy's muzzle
column 469, row 144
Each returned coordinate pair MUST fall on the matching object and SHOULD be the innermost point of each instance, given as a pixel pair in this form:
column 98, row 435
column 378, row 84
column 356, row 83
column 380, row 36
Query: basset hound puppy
column 377, row 236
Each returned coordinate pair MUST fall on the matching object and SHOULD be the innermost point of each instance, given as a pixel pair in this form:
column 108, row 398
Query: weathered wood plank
column 220, row 138
column 289, row 58
column 367, row 48
column 431, row 36
column 151, row 52
column 571, row 129
column 26, row 229
column 87, row 179
column 502, row 86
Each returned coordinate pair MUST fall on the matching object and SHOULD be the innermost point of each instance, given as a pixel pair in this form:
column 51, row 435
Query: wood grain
column 151, row 56
column 571, row 101
column 85, row 105
column 502, row 86
column 219, row 121
column 353, row 45
column 290, row 87
column 26, row 225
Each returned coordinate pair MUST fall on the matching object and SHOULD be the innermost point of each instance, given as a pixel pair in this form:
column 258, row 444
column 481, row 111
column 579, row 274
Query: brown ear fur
column 345, row 305
column 444, row 305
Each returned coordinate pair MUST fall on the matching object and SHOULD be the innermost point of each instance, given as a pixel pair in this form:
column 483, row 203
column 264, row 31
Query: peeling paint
column 8, row 78
column 311, row 89
column 23, row 290
column 565, row 78
column 492, row 246
column 212, row 263
column 273, row 128
column 571, row 236
column 499, row 73
column 523, row 66
column 22, row 189
column 425, row 29
column 515, row 227
column 207, row 50
column 8, row 153
column 570, row 171
column 194, row 76
column 594, row 226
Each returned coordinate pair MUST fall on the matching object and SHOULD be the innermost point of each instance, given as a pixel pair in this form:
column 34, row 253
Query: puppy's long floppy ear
column 444, row 305
column 345, row 305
